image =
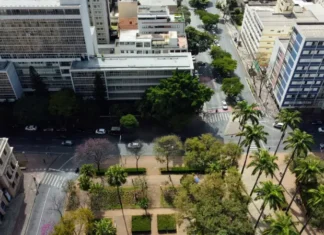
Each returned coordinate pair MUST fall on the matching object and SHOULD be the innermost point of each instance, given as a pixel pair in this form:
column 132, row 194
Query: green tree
column 263, row 162
column 252, row 134
column 116, row 176
column 280, row 225
column 200, row 4
column 175, row 100
column 167, row 147
column 306, row 172
column 31, row 110
column 218, row 53
column 232, row 86
column 97, row 193
column 63, row 104
column 225, row 66
column 301, row 143
column 40, row 88
column 179, row 3
column 84, row 182
column 137, row 152
column 208, row 19
column 198, row 41
column 231, row 153
column 245, row 112
column 99, row 92
column 288, row 118
column 144, row 204
column 88, row 170
column 271, row 194
column 316, row 201
column 104, row 227
column 129, row 121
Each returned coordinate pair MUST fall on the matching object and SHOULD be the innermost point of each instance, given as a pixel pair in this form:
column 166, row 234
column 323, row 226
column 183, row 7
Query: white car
column 31, row 128
column 101, row 131
column 134, row 145
column 224, row 105
column 321, row 129
column 278, row 125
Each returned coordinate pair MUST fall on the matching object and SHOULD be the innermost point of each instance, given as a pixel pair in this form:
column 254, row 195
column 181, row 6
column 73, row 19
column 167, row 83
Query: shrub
column 141, row 223
column 169, row 194
column 88, row 170
column 181, row 170
column 85, row 182
column 166, row 223
column 129, row 171
column 73, row 202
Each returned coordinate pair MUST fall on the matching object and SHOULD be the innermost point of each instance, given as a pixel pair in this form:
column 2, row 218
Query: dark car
column 317, row 122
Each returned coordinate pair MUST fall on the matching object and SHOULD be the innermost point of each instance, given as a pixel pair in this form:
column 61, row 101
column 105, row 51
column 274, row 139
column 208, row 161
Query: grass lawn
column 166, row 223
column 141, row 224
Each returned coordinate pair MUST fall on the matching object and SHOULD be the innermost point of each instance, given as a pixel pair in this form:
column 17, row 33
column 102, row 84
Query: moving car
column 114, row 130
column 31, row 128
column 321, row 129
column 67, row 143
column 101, row 131
column 278, row 125
column 224, row 105
column 317, row 122
column 48, row 129
column 134, row 145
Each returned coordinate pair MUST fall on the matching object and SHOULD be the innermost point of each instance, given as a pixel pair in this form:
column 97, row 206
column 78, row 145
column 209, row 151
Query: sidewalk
column 266, row 99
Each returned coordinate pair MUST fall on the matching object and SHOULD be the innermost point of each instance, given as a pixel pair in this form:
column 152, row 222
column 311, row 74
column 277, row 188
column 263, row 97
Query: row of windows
column 298, row 102
column 300, row 96
column 44, row 23
column 306, row 82
column 125, row 95
column 303, row 89
column 314, row 43
column 133, row 81
column 311, row 60
column 310, row 68
column 40, row 12
column 313, row 52
column 128, row 88
column 35, row 56
column 42, row 49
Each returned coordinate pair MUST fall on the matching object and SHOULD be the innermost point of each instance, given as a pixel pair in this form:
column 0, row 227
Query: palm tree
column 288, row 118
column 252, row 134
column 245, row 112
column 316, row 201
column 263, row 162
column 307, row 171
column 116, row 176
column 282, row 225
column 271, row 194
column 300, row 142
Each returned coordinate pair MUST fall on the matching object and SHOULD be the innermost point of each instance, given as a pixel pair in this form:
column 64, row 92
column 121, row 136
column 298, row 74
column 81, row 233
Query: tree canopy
column 209, row 19
column 129, row 121
column 175, row 100
column 200, row 4
column 186, row 13
column 198, row 41
column 232, row 86
column 225, row 66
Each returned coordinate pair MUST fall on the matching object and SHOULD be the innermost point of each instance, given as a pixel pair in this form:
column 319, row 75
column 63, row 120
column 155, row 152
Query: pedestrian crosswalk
column 54, row 180
column 216, row 117
column 255, row 148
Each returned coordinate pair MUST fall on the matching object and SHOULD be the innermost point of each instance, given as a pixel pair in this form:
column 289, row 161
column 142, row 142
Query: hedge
column 129, row 171
column 166, row 223
column 141, row 224
column 181, row 170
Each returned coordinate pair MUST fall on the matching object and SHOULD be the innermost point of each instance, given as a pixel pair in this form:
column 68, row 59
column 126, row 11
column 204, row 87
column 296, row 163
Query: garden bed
column 167, row 196
column 181, row 170
column 166, row 223
column 141, row 224
column 129, row 171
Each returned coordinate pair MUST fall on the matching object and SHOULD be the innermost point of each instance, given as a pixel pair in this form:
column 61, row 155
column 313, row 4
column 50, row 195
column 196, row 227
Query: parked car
column 134, row 145
column 224, row 105
column 115, row 130
column 101, row 131
column 67, row 143
column 62, row 129
column 321, row 129
column 317, row 122
column 321, row 147
column 31, row 128
column 278, row 125
column 48, row 129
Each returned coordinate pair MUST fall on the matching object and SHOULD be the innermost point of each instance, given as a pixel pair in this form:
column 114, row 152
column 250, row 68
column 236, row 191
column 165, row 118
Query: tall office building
column 296, row 68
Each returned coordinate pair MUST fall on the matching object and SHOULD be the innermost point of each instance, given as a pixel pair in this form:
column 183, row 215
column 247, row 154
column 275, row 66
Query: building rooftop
column 131, row 62
column 34, row 3
column 311, row 30
column 152, row 10
column 127, row 23
column 158, row 2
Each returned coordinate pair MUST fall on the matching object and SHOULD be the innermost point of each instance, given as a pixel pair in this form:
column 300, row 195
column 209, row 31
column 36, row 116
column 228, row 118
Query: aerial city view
column 182, row 117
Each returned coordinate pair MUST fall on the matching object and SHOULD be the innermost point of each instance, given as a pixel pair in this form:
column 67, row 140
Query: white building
column 99, row 13
column 128, row 76
column 46, row 34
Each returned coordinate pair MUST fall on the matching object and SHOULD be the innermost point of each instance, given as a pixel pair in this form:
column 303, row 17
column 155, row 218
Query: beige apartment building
column 10, row 176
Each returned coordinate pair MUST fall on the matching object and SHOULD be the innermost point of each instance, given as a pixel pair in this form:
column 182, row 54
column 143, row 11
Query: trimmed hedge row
column 181, row 170
column 129, row 171
column 141, row 224
column 166, row 224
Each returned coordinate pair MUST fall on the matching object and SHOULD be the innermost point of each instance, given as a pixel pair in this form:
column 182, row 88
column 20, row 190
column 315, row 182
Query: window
column 314, row 67
column 309, row 43
column 299, row 67
column 305, row 52
column 139, row 44
column 297, row 75
column 318, row 82
column 295, row 89
column 4, row 152
column 147, row 44
column 297, row 83
column 122, row 51
column 305, row 60
column 139, row 52
column 310, row 82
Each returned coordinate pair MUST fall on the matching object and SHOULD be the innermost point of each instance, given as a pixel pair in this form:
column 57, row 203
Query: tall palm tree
column 300, row 142
column 281, row 225
column 271, row 194
column 317, row 200
column 307, row 171
column 288, row 118
column 252, row 134
column 116, row 176
column 263, row 162
column 245, row 112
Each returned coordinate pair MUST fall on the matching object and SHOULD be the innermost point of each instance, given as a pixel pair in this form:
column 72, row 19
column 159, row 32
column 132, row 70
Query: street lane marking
column 55, row 181
column 65, row 163
column 40, row 220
